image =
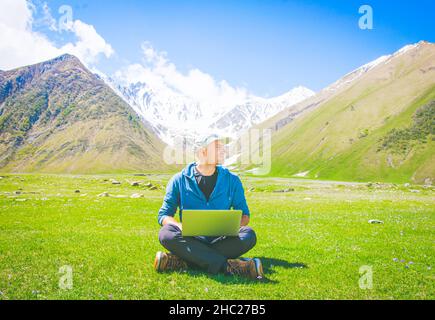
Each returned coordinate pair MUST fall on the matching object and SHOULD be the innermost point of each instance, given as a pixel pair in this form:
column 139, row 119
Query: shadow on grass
column 270, row 263
column 268, row 267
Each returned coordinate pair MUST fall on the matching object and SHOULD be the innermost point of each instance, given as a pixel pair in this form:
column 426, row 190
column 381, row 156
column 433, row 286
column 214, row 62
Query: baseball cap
column 204, row 140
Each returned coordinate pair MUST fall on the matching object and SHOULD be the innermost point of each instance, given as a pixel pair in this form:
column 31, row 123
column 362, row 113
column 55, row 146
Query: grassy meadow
column 313, row 238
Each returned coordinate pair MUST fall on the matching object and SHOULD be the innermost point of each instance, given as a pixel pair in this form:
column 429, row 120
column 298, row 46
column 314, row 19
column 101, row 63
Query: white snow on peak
column 173, row 115
column 357, row 73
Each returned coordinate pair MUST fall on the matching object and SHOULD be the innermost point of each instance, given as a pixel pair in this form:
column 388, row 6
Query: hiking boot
column 249, row 268
column 168, row 262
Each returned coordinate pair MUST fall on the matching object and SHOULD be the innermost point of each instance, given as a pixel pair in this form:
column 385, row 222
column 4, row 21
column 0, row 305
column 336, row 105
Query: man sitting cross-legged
column 206, row 185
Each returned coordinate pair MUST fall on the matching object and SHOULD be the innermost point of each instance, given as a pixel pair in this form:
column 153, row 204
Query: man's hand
column 245, row 221
column 171, row 220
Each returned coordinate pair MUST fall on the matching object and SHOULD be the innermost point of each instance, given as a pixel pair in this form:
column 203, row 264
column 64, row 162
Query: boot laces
column 238, row 267
column 175, row 263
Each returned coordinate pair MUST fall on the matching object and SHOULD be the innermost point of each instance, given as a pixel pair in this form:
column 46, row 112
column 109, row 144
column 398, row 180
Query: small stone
column 77, row 191
column 116, row 182
column 285, row 190
column 375, row 221
column 136, row 196
column 17, row 192
column 104, row 194
column 135, row 184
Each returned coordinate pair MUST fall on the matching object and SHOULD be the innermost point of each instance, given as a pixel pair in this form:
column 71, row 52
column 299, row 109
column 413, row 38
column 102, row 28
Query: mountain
column 174, row 114
column 57, row 116
column 287, row 115
column 256, row 110
column 374, row 124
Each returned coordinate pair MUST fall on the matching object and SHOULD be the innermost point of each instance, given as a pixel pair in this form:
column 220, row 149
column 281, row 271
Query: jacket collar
column 189, row 170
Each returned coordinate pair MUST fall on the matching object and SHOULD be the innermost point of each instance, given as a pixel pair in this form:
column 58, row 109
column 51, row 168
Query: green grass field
column 313, row 240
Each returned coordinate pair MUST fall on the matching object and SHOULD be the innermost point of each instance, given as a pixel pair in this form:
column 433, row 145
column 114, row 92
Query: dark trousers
column 201, row 252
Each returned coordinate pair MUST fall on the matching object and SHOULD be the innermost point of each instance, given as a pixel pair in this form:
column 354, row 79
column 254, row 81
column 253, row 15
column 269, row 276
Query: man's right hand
column 171, row 220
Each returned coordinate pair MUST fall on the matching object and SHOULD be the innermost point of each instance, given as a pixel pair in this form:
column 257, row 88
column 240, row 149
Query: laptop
column 211, row 223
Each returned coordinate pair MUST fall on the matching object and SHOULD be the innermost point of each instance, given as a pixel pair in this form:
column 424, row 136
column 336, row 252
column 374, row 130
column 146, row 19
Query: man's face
column 214, row 153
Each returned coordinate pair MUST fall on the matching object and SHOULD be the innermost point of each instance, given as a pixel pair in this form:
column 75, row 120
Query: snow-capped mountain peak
column 355, row 74
column 173, row 114
column 256, row 110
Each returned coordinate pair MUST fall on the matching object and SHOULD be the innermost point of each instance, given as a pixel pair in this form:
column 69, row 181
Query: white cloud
column 89, row 45
column 20, row 45
column 162, row 75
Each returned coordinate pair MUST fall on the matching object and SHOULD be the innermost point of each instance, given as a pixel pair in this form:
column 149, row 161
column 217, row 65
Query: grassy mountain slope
column 57, row 116
column 342, row 137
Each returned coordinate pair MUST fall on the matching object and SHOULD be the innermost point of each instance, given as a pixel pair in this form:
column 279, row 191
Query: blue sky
column 267, row 47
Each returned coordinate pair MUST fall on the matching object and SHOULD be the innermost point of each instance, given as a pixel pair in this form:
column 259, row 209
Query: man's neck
column 206, row 169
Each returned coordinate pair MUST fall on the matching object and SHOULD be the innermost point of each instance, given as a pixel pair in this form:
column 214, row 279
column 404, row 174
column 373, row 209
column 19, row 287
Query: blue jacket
column 183, row 192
